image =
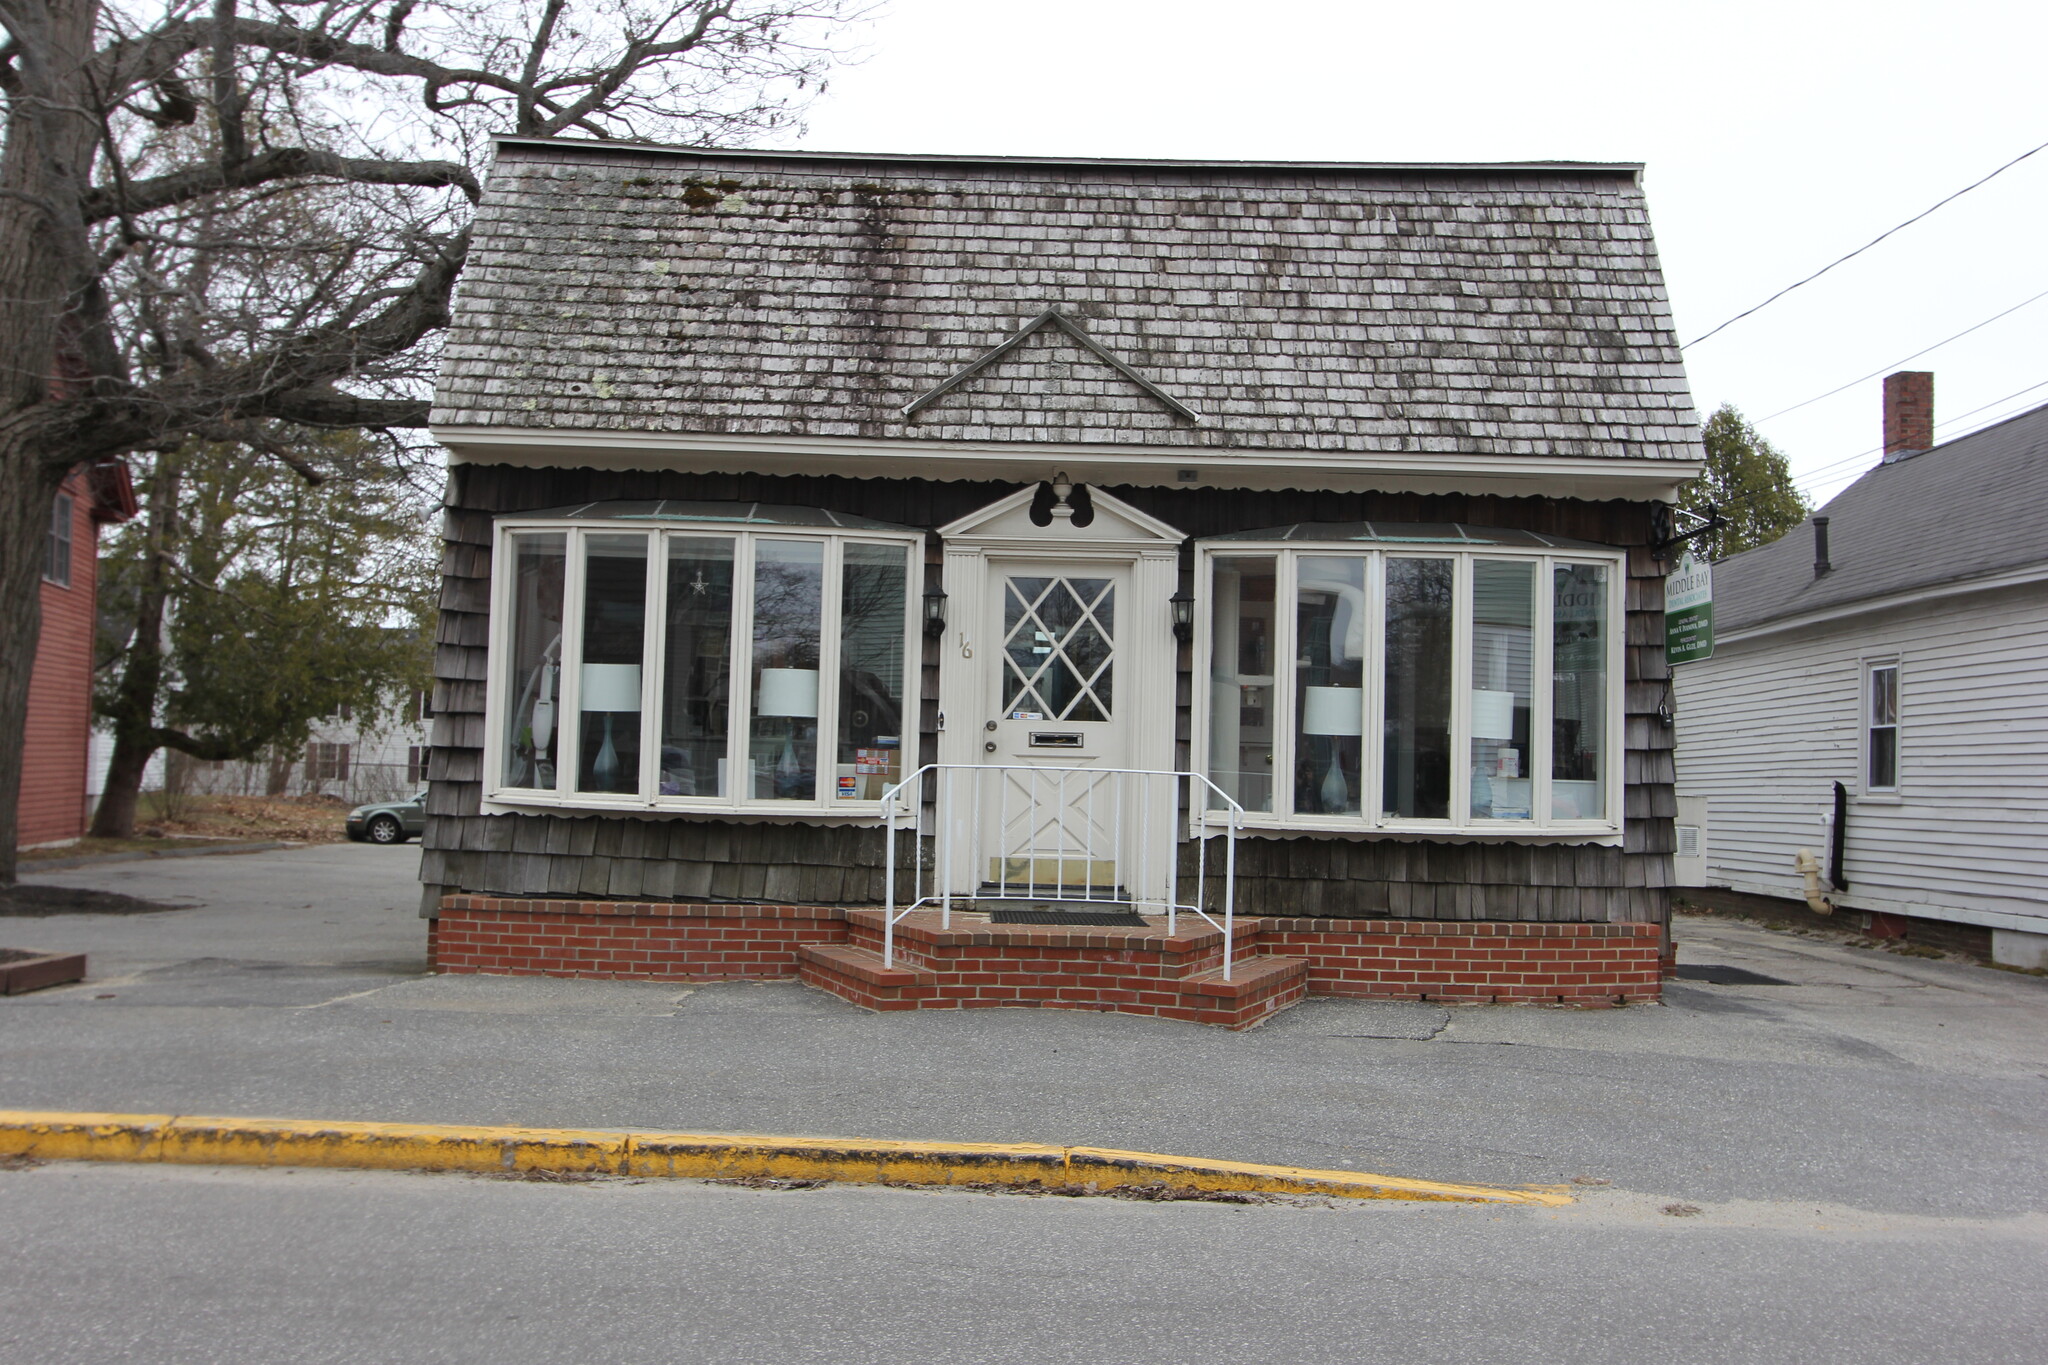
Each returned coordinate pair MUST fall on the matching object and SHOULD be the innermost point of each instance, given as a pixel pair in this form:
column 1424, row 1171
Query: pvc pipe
column 1808, row 868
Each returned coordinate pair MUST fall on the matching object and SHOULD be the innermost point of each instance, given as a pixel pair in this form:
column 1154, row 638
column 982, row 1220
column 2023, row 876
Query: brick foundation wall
column 1575, row 964
column 1578, row 964
column 644, row 941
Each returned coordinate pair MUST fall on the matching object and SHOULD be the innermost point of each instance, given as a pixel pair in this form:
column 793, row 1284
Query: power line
column 1887, row 369
column 1812, row 477
column 1865, row 247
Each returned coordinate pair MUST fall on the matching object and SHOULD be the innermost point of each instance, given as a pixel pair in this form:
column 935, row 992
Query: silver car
column 389, row 822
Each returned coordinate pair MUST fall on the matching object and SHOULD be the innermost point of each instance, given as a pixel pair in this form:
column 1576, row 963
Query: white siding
column 1767, row 726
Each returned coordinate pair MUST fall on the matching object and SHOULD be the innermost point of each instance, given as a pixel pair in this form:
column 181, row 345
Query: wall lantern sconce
column 934, row 611
column 1183, row 606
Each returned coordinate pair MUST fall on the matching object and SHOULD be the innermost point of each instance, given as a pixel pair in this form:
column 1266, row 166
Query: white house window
column 701, row 656
column 1881, row 743
column 1420, row 677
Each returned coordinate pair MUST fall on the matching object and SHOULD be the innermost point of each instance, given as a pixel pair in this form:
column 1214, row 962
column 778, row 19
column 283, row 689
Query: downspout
column 1839, row 838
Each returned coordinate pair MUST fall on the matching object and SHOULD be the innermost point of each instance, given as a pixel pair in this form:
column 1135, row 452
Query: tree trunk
column 279, row 774
column 42, row 244
column 114, row 817
column 134, row 712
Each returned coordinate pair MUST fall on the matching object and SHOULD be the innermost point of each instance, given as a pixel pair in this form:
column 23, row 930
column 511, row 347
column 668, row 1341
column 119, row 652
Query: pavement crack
column 352, row 995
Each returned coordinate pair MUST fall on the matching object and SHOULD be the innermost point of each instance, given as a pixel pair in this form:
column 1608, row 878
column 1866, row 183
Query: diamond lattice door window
column 1059, row 660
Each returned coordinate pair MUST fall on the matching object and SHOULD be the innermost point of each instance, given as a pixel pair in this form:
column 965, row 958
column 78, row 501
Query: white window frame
column 1371, row 753
column 1866, row 693
column 824, row 802
column 61, row 546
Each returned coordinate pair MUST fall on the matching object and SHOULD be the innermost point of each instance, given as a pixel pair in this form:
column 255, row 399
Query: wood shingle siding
column 696, row 857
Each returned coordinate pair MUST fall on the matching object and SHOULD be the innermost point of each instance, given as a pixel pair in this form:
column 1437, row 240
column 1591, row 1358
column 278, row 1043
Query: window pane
column 1503, row 637
column 1329, row 684
column 696, row 683
column 614, row 624
column 1417, row 742
column 1578, row 691
column 1241, row 681
column 1884, row 696
column 782, row 749
column 874, row 602
column 1058, row 648
column 1884, row 758
column 57, row 552
column 533, row 676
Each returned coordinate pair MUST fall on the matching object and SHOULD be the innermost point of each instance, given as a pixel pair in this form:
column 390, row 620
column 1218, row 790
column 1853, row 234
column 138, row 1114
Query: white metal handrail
column 1088, row 813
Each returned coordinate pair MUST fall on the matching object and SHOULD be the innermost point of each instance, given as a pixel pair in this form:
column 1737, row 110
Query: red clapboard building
column 59, row 730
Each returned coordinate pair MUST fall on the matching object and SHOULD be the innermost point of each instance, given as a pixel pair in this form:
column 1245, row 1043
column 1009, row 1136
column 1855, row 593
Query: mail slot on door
column 1055, row 739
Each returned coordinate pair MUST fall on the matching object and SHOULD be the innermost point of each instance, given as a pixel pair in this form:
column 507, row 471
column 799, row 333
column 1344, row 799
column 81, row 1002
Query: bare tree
column 222, row 219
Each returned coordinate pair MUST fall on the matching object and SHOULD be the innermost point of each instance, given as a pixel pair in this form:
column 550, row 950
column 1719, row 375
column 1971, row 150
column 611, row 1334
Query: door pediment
column 1006, row 524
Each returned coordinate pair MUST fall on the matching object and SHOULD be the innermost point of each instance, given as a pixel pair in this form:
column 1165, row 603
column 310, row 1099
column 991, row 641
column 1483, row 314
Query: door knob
column 989, row 747
column 990, row 726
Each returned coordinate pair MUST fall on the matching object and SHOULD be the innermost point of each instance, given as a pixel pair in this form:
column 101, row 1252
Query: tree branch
column 143, row 60
column 327, row 407
column 280, row 163
column 227, row 88
column 212, row 748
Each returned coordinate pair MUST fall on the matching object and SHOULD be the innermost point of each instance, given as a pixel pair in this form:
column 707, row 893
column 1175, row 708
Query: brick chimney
column 1908, row 413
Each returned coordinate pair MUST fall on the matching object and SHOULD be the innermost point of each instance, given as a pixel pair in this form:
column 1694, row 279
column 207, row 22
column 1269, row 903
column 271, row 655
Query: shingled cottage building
column 776, row 477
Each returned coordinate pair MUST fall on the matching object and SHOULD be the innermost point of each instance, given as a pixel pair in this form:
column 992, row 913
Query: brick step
column 1259, row 987
column 973, row 945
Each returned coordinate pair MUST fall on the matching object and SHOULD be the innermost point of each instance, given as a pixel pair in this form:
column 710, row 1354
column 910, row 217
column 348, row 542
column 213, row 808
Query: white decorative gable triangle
column 1052, row 317
column 1009, row 520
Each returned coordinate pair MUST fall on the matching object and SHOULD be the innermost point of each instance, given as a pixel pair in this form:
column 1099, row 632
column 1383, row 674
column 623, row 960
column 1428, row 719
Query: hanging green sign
column 1689, row 611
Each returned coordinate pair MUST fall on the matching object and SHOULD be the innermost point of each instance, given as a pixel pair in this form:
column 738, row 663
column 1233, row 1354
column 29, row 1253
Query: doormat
column 1109, row 919
column 1714, row 974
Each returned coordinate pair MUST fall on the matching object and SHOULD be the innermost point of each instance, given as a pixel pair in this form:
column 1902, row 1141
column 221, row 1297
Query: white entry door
column 1059, row 698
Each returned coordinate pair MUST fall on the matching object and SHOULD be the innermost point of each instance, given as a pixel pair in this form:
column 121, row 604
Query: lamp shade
column 1333, row 711
column 787, row 692
column 1493, row 714
column 611, row 687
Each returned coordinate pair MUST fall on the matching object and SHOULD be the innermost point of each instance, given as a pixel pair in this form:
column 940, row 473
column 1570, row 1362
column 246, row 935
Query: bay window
column 694, row 656
column 1413, row 678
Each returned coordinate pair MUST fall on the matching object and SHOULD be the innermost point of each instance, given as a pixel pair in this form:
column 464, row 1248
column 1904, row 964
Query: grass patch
column 174, row 821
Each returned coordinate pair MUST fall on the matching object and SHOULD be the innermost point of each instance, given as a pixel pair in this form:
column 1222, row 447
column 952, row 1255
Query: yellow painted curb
column 199, row 1140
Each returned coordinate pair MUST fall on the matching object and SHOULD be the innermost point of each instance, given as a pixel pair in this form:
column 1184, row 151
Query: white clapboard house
column 1897, row 644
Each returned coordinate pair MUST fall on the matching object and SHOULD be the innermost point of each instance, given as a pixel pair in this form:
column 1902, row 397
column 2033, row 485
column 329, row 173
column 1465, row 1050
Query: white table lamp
column 791, row 693
column 1336, row 712
column 610, row 689
column 1493, row 714
column 788, row 692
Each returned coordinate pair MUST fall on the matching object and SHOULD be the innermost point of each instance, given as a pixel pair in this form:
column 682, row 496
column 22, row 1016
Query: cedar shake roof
column 1496, row 310
column 1973, row 508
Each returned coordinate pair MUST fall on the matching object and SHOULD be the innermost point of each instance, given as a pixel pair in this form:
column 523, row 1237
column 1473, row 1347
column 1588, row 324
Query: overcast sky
column 1777, row 136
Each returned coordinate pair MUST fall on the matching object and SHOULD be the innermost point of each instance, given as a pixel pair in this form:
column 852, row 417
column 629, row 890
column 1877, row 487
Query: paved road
column 1868, row 1143
column 188, row 1265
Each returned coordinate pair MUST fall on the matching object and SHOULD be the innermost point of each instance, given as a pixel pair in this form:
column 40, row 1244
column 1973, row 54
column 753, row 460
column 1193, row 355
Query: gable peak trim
column 1109, row 511
column 1051, row 317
